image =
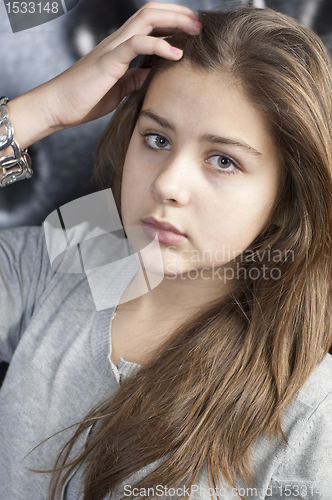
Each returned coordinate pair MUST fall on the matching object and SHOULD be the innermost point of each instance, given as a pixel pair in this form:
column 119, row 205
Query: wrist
column 16, row 166
column 31, row 118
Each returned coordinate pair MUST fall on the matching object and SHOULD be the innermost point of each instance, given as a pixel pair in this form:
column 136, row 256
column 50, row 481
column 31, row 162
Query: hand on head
column 96, row 84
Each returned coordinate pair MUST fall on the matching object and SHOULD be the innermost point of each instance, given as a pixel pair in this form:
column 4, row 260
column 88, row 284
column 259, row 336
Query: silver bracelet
column 17, row 167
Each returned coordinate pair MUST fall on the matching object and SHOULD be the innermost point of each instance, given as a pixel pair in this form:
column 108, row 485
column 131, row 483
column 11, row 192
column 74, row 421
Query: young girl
column 217, row 382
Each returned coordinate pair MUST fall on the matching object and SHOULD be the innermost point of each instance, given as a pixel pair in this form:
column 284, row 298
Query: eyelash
column 219, row 170
column 152, row 134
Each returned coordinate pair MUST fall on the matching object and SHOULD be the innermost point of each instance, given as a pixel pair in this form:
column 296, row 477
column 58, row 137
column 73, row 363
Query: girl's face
column 202, row 161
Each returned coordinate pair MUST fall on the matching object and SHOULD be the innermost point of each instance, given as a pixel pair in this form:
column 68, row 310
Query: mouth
column 165, row 232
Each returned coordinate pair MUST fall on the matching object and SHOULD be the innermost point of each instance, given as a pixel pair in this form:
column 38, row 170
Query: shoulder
column 313, row 400
column 318, row 387
column 27, row 267
column 302, row 468
column 308, row 420
column 18, row 237
column 22, row 252
column 307, row 462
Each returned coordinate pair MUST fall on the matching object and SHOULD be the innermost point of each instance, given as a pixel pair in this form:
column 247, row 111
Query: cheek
column 238, row 214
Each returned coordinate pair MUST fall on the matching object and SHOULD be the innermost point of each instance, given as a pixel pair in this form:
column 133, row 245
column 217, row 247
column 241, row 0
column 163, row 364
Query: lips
column 162, row 225
column 165, row 232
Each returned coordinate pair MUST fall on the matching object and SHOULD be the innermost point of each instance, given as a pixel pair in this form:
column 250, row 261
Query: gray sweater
column 58, row 347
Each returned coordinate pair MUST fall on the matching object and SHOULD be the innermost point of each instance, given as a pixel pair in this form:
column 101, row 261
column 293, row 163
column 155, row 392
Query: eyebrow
column 215, row 139
column 161, row 121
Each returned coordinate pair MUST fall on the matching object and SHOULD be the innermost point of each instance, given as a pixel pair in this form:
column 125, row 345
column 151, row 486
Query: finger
column 181, row 9
column 148, row 20
column 123, row 54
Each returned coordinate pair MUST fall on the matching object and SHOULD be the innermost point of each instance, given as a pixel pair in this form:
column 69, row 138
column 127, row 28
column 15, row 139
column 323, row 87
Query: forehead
column 207, row 102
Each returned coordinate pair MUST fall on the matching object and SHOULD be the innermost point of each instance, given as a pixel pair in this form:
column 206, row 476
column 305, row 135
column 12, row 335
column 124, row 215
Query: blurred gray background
column 63, row 162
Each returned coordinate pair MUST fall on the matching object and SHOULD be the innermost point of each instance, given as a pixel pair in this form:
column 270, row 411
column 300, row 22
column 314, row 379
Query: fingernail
column 175, row 50
column 197, row 23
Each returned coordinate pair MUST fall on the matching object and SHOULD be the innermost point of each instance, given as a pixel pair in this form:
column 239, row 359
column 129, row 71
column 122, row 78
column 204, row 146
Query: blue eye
column 223, row 163
column 156, row 141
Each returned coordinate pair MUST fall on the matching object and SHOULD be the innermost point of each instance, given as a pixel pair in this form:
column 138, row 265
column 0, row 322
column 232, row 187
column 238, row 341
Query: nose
column 173, row 183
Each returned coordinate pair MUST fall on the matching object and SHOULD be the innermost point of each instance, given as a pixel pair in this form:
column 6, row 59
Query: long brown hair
column 244, row 359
